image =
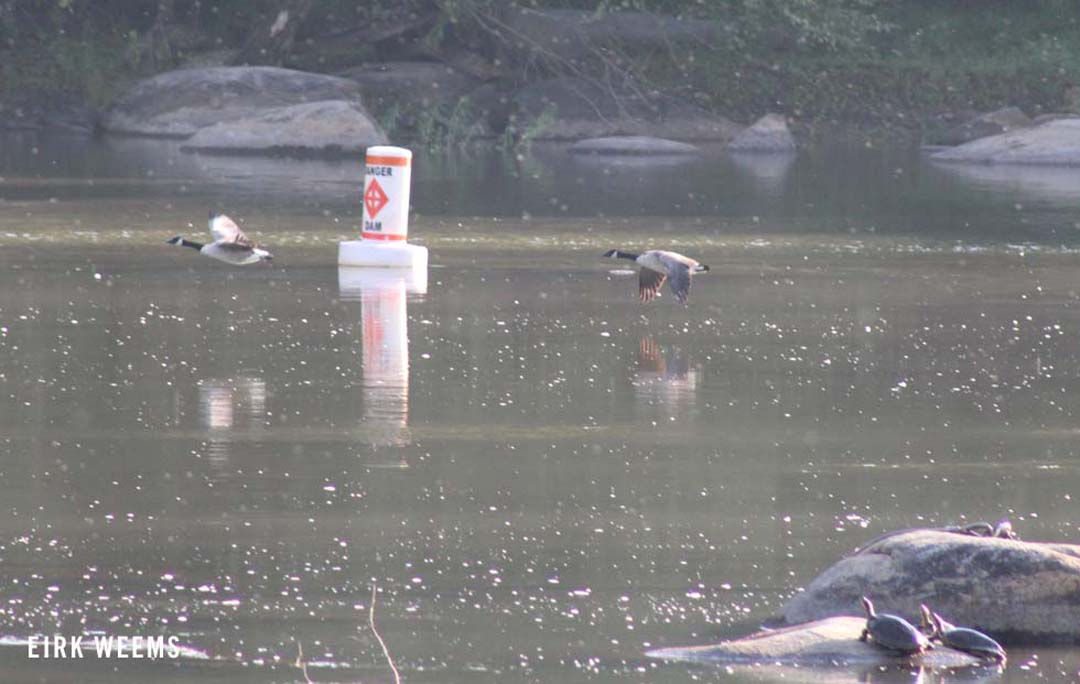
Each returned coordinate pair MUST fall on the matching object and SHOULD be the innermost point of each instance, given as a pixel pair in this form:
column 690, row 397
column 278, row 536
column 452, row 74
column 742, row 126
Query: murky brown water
column 542, row 477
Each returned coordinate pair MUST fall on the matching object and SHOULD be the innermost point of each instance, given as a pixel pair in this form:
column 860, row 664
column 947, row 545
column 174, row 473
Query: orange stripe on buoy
column 388, row 161
column 381, row 236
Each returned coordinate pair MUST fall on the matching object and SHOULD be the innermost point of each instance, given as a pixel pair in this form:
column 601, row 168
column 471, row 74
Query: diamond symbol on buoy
column 374, row 198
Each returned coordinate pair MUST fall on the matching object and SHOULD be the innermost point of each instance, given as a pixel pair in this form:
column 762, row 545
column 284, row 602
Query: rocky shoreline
column 447, row 98
column 270, row 110
column 274, row 111
column 442, row 98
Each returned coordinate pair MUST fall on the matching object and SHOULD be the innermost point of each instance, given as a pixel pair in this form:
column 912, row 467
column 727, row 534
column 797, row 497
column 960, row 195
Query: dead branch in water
column 385, row 650
column 300, row 663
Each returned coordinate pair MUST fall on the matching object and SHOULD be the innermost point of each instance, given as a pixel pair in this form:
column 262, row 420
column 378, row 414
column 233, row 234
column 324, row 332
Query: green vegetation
column 934, row 57
column 864, row 62
column 447, row 124
column 68, row 67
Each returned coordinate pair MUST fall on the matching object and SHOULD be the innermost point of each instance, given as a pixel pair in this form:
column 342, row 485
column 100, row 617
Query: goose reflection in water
column 228, row 406
column 664, row 378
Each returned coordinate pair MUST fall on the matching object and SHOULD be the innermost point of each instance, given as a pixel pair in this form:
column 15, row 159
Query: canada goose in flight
column 230, row 244
column 658, row 264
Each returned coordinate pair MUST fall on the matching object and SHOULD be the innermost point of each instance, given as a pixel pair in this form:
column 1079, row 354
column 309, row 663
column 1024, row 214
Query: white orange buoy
column 385, row 228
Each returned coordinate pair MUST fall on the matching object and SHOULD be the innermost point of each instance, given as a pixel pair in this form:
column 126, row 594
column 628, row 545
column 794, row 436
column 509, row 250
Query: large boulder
column 769, row 134
column 831, row 642
column 991, row 123
column 1020, row 592
column 571, row 108
column 1055, row 142
column 328, row 127
column 178, row 103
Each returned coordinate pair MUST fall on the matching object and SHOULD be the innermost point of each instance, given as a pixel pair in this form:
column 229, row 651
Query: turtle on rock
column 893, row 632
column 961, row 638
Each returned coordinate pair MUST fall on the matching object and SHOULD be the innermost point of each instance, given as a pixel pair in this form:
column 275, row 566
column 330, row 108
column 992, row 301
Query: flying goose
column 230, row 244
column 658, row 264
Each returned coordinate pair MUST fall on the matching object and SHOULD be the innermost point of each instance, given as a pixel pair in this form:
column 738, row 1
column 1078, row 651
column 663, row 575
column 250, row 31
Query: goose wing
column 224, row 229
column 649, row 282
column 679, row 274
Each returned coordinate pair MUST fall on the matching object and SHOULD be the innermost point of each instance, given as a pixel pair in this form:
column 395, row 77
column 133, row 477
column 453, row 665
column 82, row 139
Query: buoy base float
column 355, row 282
column 374, row 253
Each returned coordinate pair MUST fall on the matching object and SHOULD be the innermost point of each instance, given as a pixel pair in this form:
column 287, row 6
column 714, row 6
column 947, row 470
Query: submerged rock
column 833, row 642
column 328, row 127
column 1018, row 592
column 178, row 103
column 768, row 134
column 1055, row 142
column 632, row 144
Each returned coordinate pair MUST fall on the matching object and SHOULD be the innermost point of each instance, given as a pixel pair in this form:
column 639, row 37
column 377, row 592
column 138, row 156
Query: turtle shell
column 974, row 642
column 896, row 633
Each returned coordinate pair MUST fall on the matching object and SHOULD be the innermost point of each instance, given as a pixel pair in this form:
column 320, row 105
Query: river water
column 539, row 477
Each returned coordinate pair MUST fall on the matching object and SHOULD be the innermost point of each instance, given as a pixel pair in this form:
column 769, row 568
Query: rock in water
column 1053, row 143
column 1016, row 591
column 831, row 642
column 770, row 133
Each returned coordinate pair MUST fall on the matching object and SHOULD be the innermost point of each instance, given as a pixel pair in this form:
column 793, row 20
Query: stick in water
column 385, row 650
column 300, row 662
